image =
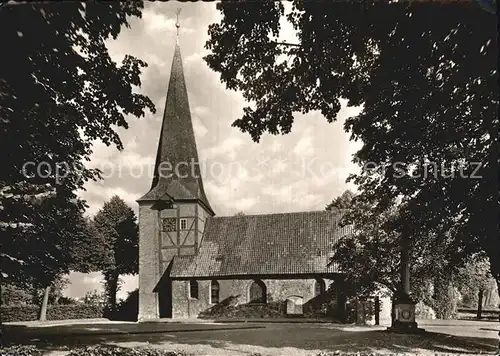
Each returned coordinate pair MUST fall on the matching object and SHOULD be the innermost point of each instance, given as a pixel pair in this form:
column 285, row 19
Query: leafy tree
column 57, row 289
column 57, row 96
column 474, row 280
column 82, row 259
column 240, row 213
column 444, row 300
column 369, row 256
column 116, row 223
column 55, row 292
column 425, row 74
column 342, row 202
column 128, row 308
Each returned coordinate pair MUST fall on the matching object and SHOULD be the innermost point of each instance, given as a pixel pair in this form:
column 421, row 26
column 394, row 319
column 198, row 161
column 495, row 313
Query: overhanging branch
column 287, row 44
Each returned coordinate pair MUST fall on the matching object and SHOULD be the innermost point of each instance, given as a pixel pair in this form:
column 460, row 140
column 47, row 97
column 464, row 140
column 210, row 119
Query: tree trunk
column 111, row 279
column 393, row 309
column 45, row 302
column 495, row 265
column 480, row 304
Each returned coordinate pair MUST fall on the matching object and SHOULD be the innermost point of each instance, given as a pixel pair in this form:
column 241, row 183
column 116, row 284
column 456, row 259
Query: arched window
column 257, row 292
column 214, row 292
column 193, row 289
column 319, row 287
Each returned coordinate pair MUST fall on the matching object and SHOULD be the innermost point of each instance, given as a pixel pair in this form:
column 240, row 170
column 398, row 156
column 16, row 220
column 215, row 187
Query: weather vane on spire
column 177, row 24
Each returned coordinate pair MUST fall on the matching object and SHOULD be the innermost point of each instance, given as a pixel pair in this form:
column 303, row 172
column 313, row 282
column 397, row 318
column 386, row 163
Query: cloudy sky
column 300, row 171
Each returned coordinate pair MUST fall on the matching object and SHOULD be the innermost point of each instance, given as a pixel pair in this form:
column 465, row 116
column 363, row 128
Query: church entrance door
column 165, row 299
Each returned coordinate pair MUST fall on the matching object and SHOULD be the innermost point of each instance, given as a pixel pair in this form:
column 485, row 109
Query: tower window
column 258, row 292
column 214, row 292
column 193, row 289
column 319, row 287
column 183, row 224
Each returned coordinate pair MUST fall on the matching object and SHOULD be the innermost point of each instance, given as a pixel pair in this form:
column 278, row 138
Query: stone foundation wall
column 234, row 298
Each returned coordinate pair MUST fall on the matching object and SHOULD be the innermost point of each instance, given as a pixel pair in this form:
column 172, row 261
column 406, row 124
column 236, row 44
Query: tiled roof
column 273, row 244
column 177, row 171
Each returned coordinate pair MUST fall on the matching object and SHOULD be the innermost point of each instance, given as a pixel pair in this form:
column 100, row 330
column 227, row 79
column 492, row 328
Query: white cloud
column 133, row 159
column 278, row 166
column 215, row 191
column 307, row 202
column 227, row 148
column 279, row 193
column 200, row 130
column 200, row 111
column 244, row 175
column 131, row 145
column 97, row 194
column 101, row 153
column 192, row 60
column 328, row 174
column 153, row 59
column 277, row 146
column 304, row 146
column 159, row 23
column 81, row 283
column 243, row 204
column 92, row 278
column 295, row 196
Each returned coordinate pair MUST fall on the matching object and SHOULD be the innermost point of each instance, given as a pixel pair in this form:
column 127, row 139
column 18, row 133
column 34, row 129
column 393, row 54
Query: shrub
column 82, row 311
column 127, row 309
column 12, row 295
column 445, row 300
column 229, row 309
column 67, row 301
column 110, row 350
column 95, row 298
column 323, row 305
column 19, row 312
column 423, row 311
column 54, row 312
column 25, row 350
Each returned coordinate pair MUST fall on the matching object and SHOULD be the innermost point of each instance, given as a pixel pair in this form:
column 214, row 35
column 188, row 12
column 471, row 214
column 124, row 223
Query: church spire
column 177, row 24
column 177, row 174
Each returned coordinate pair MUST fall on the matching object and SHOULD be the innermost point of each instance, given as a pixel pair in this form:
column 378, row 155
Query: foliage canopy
column 426, row 76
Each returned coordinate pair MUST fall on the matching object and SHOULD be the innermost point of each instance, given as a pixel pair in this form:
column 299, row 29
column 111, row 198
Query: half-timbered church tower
column 173, row 213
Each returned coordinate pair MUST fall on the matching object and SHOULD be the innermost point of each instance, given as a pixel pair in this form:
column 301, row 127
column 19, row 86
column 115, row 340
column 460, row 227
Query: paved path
column 49, row 323
column 54, row 332
column 268, row 338
column 468, row 328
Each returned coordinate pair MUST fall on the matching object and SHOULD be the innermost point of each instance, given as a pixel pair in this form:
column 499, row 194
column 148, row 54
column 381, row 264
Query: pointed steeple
column 177, row 169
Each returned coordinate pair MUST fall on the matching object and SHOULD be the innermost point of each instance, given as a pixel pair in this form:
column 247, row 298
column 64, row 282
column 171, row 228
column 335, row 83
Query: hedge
column 54, row 312
column 474, row 311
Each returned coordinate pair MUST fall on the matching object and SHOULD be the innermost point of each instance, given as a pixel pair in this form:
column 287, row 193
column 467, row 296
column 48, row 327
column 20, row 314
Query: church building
column 192, row 262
